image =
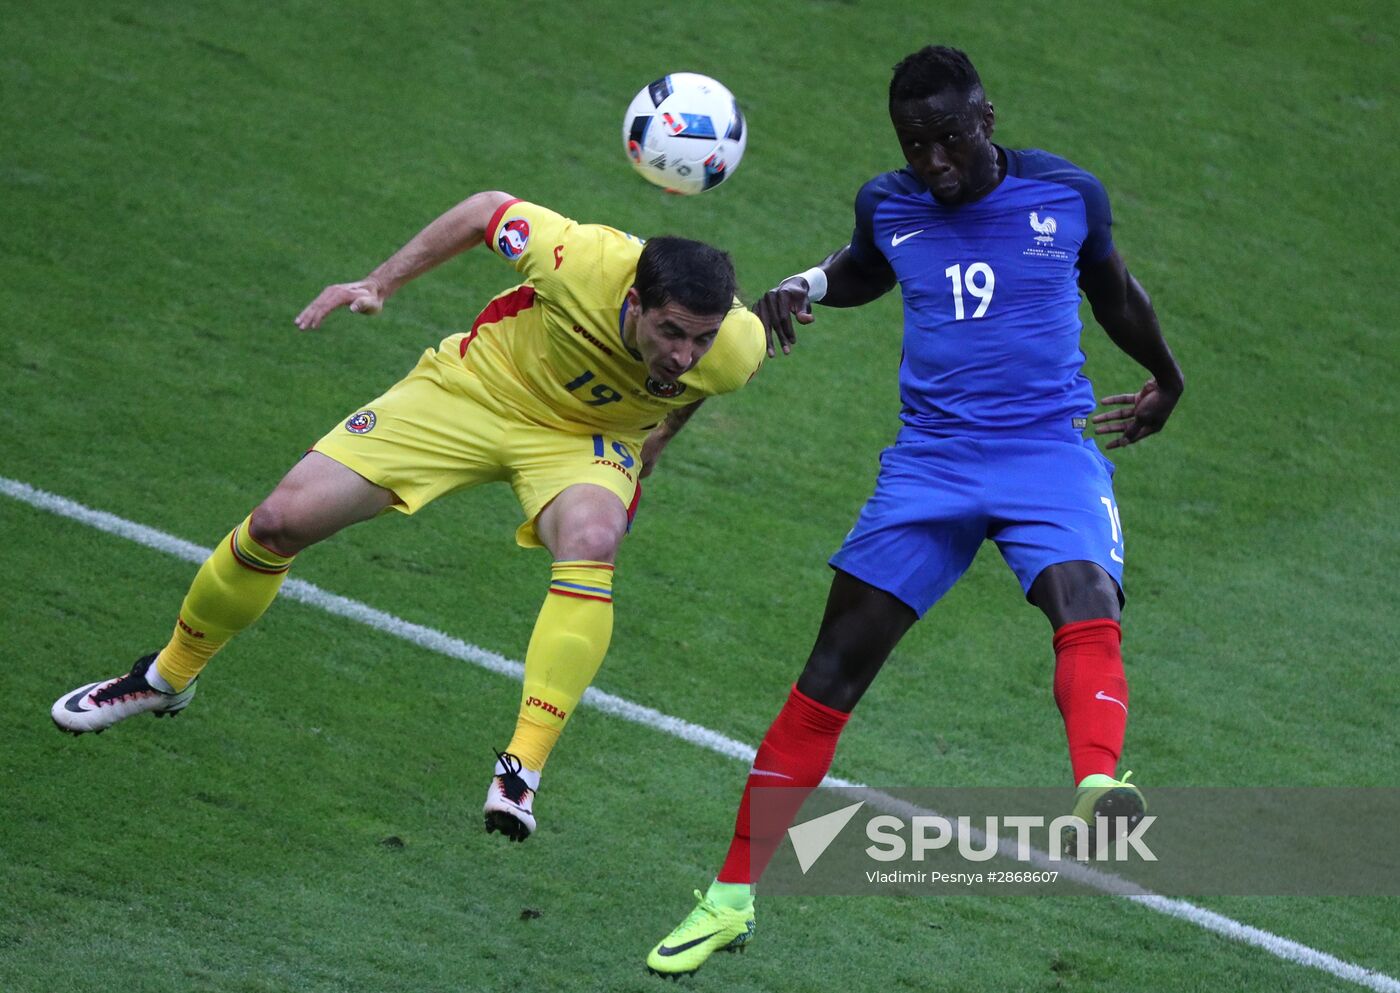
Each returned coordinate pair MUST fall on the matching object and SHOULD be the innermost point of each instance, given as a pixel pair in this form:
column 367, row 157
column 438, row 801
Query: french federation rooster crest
column 1045, row 229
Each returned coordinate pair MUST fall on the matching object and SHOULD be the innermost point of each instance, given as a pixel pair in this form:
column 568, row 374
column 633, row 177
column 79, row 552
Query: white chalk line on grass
column 608, row 703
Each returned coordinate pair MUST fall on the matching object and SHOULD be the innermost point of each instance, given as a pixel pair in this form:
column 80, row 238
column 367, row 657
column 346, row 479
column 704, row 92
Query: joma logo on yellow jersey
column 592, row 340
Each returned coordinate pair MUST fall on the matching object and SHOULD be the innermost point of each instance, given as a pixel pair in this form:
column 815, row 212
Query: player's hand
column 1146, row 413
column 365, row 297
column 777, row 308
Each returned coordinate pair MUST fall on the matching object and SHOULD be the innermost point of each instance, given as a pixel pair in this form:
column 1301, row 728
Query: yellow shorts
column 438, row 430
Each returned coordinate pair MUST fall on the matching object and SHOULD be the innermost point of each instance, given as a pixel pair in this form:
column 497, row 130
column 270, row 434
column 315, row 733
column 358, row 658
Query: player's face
column 670, row 338
column 947, row 141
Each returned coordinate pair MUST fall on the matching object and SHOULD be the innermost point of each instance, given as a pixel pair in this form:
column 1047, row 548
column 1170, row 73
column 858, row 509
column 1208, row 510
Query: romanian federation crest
column 361, row 423
column 666, row 391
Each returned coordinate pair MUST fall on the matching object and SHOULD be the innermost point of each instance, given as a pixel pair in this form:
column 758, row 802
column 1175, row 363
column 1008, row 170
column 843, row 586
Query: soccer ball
column 684, row 132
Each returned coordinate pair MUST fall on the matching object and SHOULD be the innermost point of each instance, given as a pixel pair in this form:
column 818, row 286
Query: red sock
column 1092, row 694
column 796, row 752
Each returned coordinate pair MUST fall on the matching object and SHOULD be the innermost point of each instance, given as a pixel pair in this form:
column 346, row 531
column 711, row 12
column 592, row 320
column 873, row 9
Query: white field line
column 437, row 641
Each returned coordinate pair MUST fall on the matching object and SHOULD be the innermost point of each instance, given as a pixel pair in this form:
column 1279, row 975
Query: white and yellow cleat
column 710, row 928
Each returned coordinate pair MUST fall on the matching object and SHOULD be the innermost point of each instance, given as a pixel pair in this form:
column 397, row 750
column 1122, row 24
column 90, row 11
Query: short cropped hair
column 693, row 274
column 930, row 71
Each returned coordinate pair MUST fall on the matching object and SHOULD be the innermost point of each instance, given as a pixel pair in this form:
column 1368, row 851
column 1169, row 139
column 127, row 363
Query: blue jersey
column 991, row 294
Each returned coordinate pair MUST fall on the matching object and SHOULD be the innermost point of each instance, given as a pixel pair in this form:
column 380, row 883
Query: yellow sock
column 570, row 639
column 230, row 591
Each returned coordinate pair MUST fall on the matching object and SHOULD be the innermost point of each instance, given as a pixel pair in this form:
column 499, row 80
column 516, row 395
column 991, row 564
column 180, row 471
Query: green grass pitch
column 177, row 180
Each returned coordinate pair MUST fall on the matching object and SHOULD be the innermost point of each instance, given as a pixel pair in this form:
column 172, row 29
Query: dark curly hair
column 695, row 275
column 930, row 71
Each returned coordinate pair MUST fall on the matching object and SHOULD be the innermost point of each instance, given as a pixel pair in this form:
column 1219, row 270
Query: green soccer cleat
column 1109, row 798
column 710, row 928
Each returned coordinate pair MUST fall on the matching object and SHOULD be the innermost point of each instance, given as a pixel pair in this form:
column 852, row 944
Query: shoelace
column 129, row 685
column 702, row 909
column 513, row 765
column 512, row 784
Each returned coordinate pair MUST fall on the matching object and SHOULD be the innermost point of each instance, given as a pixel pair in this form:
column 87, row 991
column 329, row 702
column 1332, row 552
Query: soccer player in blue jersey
column 990, row 247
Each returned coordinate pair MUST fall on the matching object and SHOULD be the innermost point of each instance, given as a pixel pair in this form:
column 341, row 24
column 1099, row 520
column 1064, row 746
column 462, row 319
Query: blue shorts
column 936, row 499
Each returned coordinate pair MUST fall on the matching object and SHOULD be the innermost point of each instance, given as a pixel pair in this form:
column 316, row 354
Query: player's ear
column 634, row 299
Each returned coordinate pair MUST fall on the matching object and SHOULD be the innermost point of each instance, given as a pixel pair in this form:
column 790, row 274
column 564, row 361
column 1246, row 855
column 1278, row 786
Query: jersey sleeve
column 738, row 353
column 1098, row 243
column 863, row 250
column 535, row 240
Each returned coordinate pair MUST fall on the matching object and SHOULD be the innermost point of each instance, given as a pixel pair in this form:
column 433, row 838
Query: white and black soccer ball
column 685, row 133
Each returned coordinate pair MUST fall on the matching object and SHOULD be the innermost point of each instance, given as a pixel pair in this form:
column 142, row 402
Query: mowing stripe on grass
column 445, row 644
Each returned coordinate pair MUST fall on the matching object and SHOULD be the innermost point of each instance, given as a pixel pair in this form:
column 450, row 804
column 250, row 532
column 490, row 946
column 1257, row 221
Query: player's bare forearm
column 1135, row 330
column 672, row 423
column 462, row 227
column 849, row 284
column 453, row 232
column 662, row 434
column 1124, row 310
column 846, row 285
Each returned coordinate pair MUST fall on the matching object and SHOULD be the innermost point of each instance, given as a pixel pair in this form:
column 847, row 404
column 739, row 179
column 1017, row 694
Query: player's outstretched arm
column 837, row 282
column 1125, row 311
column 662, row 434
column 461, row 228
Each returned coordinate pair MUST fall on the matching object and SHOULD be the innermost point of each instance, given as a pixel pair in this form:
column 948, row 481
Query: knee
column 590, row 540
column 1076, row 591
column 1097, row 595
column 273, row 526
column 833, row 679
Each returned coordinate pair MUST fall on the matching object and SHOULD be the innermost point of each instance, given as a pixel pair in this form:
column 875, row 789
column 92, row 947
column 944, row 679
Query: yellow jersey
column 552, row 350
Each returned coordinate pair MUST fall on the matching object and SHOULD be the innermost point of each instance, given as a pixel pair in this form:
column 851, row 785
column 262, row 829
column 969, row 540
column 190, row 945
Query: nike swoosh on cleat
column 74, row 702
column 677, row 949
column 1101, row 695
column 899, row 239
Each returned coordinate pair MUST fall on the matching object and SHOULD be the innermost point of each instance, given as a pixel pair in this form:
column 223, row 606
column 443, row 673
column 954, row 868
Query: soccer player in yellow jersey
column 567, row 386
